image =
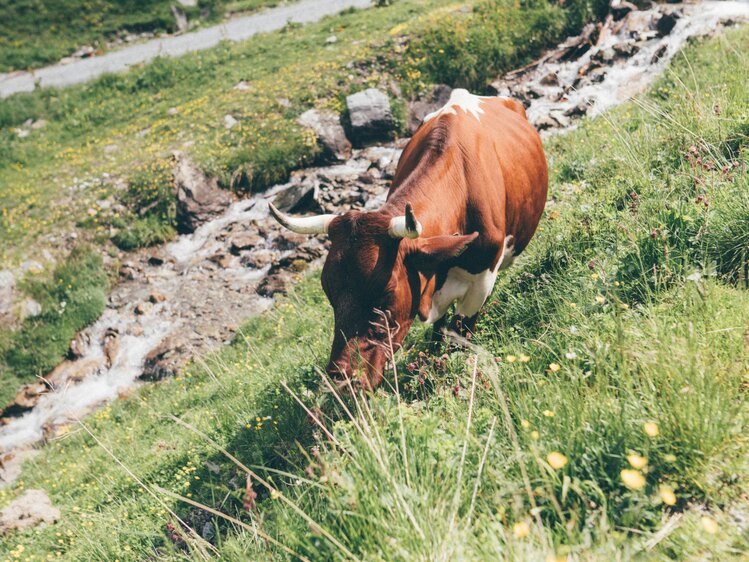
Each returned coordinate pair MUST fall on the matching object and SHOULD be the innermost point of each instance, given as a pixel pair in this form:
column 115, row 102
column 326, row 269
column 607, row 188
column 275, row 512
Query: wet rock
column 578, row 110
column 667, row 22
column 199, row 198
column 143, row 308
column 545, row 122
column 287, row 240
column 155, row 297
column 277, row 283
column 244, row 241
column 658, row 55
column 111, row 344
column 155, row 260
column 165, row 359
column 604, row 56
column 430, row 103
column 222, row 260
column 259, row 259
column 79, row 345
column 550, row 79
column 326, row 124
column 74, row 371
column 626, row 50
column 620, row 8
column 27, row 397
column 298, row 199
column 29, row 510
column 127, row 272
column 370, row 116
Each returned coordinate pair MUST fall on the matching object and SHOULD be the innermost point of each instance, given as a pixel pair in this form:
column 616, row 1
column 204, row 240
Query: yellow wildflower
column 633, row 479
column 557, row 460
column 521, row 529
column 651, row 429
column 709, row 524
column 554, row 367
column 667, row 495
column 637, row 461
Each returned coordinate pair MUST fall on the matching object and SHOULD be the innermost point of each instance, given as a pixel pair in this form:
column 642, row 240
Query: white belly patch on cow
column 463, row 99
column 470, row 290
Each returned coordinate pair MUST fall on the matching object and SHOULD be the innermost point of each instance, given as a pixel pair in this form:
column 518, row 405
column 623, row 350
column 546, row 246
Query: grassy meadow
column 601, row 415
column 35, row 33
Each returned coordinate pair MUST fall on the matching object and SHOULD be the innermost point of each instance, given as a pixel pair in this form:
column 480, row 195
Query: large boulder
column 165, row 359
column 430, row 103
column 199, row 198
column 29, row 510
column 326, row 124
column 370, row 116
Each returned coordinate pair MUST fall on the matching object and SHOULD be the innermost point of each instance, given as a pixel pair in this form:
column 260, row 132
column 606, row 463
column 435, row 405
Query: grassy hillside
column 125, row 127
column 34, row 33
column 602, row 416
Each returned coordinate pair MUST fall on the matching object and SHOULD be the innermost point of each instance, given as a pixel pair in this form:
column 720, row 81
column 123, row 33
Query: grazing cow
column 467, row 196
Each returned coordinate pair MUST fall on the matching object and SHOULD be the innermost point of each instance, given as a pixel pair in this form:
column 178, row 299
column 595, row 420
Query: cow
column 467, row 195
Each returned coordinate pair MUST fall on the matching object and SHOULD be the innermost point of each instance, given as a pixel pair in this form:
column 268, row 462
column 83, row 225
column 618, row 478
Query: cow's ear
column 430, row 252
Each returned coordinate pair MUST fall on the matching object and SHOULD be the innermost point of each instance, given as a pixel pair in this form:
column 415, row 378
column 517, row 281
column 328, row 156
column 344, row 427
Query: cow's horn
column 303, row 225
column 405, row 226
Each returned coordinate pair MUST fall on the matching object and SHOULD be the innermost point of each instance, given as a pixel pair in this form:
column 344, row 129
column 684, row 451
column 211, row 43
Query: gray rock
column 298, row 198
column 275, row 284
column 30, row 308
column 165, row 359
column 370, row 116
column 326, row 124
column 229, row 121
column 28, row 510
column 420, row 108
column 244, row 241
column 7, row 291
column 180, row 18
column 199, row 198
column 551, row 79
column 626, row 50
column 259, row 259
column 620, row 8
column 31, row 266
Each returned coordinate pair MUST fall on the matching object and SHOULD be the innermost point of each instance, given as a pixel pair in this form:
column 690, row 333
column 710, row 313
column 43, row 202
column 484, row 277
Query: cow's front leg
column 463, row 326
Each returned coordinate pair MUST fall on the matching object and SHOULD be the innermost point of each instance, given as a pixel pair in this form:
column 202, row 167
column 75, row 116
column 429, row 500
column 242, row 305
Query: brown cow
column 475, row 176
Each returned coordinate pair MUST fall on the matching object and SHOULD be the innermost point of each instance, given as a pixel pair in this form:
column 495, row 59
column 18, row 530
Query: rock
column 229, row 121
column 74, row 371
column 274, row 284
column 165, row 359
column 28, row 510
column 172, row 111
column 111, row 344
column 259, row 259
column 287, row 240
column 420, row 108
column 155, row 297
column 143, row 308
column 370, row 116
column 155, row 260
column 244, row 241
column 7, row 292
column 605, row 56
column 39, row 124
column 26, row 398
column 626, row 50
column 128, row 272
column 620, row 8
column 545, row 122
column 30, row 308
column 326, row 124
column 666, row 23
column 199, row 198
column 578, row 110
column 551, row 79
column 12, row 463
column 180, row 18
column 31, row 266
column 242, row 86
column 332, row 39
column 222, row 260
column 658, row 55
column 298, row 199
column 79, row 345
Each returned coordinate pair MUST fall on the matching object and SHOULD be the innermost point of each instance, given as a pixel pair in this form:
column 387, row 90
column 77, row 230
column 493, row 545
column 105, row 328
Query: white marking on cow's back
column 470, row 289
column 463, row 99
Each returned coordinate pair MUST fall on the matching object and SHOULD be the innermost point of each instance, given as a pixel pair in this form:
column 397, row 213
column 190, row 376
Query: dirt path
column 239, row 29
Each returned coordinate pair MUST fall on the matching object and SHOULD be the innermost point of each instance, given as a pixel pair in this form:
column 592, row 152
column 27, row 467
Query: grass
column 97, row 134
column 610, row 372
column 34, row 33
column 72, row 297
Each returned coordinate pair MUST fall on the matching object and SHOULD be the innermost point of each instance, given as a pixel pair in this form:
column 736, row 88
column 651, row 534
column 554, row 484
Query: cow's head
column 373, row 278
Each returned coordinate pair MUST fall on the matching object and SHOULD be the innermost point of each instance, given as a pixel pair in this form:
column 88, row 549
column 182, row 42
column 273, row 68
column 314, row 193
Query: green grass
column 121, row 123
column 72, row 297
column 35, row 33
column 627, row 310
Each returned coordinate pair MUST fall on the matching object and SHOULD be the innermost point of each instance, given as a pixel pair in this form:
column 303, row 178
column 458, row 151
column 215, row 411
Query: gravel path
column 239, row 29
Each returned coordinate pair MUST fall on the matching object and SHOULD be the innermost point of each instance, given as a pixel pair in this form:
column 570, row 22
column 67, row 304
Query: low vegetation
column 35, row 33
column 71, row 298
column 602, row 413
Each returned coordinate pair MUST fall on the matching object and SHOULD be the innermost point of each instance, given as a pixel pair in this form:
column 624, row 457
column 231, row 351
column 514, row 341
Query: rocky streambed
column 178, row 301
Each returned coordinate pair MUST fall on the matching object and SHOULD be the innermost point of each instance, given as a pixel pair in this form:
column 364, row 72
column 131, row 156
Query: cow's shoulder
column 501, row 103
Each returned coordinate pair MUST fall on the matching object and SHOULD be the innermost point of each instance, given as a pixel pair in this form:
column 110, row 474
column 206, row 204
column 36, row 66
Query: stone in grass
column 370, row 116
column 32, row 508
column 326, row 124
